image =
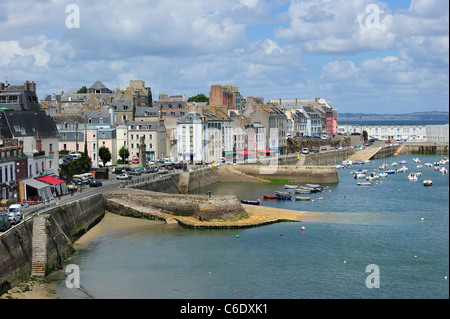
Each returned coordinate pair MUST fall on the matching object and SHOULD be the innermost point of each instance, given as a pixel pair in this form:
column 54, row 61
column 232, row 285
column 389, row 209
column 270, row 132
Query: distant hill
column 416, row 118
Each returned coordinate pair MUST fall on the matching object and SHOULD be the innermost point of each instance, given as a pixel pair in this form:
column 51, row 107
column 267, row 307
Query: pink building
column 331, row 122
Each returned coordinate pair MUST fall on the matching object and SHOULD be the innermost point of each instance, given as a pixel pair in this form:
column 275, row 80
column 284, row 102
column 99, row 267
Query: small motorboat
column 359, row 176
column 443, row 170
column 391, row 171
column 290, row 186
column 270, row 196
column 314, row 188
column 412, row 177
column 416, row 160
column 302, row 198
column 419, row 174
column 251, row 202
column 420, row 166
column 402, row 162
column 284, row 195
column 427, row 182
column 372, row 177
column 394, row 164
column 302, row 190
column 383, row 174
column 364, row 184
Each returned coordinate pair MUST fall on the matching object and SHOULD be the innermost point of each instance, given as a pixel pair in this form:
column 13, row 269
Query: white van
column 305, row 151
column 15, row 213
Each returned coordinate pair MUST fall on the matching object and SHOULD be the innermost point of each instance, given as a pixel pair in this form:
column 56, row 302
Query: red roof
column 50, row 180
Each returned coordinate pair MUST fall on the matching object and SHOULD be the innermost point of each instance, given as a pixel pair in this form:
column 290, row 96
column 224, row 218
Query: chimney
column 38, row 145
column 26, row 86
column 2, row 86
column 32, row 86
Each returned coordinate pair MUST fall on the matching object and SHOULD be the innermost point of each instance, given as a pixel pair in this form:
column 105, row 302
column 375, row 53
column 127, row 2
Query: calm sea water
column 380, row 225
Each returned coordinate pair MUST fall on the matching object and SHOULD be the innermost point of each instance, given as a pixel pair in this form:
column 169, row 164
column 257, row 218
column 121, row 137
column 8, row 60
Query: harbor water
column 389, row 240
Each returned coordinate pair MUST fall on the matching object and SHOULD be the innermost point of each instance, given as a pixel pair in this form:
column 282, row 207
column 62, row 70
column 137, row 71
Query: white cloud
column 342, row 26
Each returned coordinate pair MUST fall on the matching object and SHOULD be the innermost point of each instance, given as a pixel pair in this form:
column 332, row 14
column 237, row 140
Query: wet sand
column 110, row 223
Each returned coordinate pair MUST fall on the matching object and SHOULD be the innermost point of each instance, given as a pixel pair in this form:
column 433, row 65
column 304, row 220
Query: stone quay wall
column 300, row 174
column 64, row 225
column 200, row 206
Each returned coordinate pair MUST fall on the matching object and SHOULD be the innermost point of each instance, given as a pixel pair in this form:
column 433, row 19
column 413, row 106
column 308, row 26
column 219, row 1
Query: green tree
column 75, row 166
column 124, row 153
column 83, row 89
column 104, row 154
column 199, row 98
column 365, row 135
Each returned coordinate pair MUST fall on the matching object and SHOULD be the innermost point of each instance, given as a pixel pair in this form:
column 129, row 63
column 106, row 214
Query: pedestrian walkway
column 364, row 154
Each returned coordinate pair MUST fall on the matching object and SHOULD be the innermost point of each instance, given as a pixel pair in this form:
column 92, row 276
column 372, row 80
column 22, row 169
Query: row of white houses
column 409, row 133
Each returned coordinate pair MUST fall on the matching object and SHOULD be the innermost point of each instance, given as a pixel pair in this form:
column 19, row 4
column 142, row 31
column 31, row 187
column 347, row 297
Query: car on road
column 5, row 223
column 15, row 213
column 124, row 176
column 134, row 172
column 181, row 165
column 95, row 183
column 305, row 151
column 135, row 161
column 163, row 170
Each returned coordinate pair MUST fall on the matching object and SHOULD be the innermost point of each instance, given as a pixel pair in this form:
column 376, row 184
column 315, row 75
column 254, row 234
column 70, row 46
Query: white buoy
column 421, row 219
column 415, row 256
column 345, row 262
column 303, row 228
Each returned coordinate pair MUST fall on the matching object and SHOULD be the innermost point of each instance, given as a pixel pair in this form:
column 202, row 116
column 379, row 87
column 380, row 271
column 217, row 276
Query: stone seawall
column 300, row 174
column 64, row 225
column 417, row 149
column 200, row 206
column 179, row 182
column 15, row 255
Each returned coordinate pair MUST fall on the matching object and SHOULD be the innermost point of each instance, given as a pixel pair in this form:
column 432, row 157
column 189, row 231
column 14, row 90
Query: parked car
column 118, row 170
column 5, row 223
column 15, row 213
column 134, row 172
column 305, row 151
column 163, row 170
column 181, row 165
column 124, row 176
column 135, row 161
column 95, row 183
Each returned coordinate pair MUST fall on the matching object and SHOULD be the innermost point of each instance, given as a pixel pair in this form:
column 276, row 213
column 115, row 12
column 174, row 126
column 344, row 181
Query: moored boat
column 302, row 190
column 315, row 188
column 284, row 195
column 302, row 198
column 290, row 186
column 427, row 182
column 416, row 160
column 412, row 177
column 364, row 184
column 251, row 202
column 270, row 196
column 391, row 171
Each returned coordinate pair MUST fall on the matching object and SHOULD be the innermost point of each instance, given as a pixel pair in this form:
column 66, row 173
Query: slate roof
column 15, row 124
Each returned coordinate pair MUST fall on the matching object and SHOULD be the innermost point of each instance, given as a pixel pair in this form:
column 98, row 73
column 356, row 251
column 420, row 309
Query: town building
column 37, row 133
column 155, row 137
column 191, row 146
column 19, row 97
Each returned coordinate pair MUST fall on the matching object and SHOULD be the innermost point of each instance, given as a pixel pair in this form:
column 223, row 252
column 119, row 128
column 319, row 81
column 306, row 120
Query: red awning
column 246, row 152
column 51, row 180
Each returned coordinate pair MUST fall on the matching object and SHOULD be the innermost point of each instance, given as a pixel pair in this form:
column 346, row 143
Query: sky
column 362, row 55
